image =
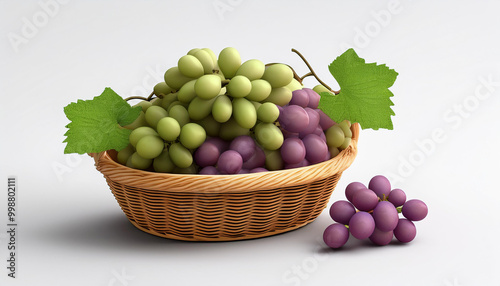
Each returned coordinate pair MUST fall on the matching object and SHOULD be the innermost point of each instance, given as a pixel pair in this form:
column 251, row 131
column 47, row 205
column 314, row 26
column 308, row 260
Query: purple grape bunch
column 373, row 213
column 310, row 136
column 240, row 156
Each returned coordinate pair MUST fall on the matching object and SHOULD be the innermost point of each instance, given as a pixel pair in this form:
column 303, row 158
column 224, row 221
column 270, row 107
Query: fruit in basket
column 367, row 215
column 208, row 96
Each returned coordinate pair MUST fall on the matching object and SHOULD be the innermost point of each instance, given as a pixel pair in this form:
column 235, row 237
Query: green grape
column 156, row 102
column 175, row 79
column 140, row 121
column 268, row 112
column 168, row 99
column 334, row 136
column 177, row 102
column 138, row 162
column 193, row 51
column 346, row 143
column 244, row 113
column 187, row 93
column 345, row 126
column 256, row 104
column 334, row 151
column 278, row 75
column 205, row 60
column 320, row 88
column 123, row 155
column 154, row 114
column 180, row 114
column 200, row 108
column 208, row 86
column 193, row 169
column 144, row 104
column 280, row 96
column 261, row 89
column 163, row 163
column 223, row 91
column 150, row 146
column 222, row 108
column 252, row 69
column 161, row 89
column 168, row 128
column 190, row 66
column 211, row 126
column 220, row 75
column 140, row 132
column 231, row 129
column 129, row 163
column 212, row 55
column 269, row 136
column 192, row 135
column 273, row 160
column 239, row 86
column 180, row 156
column 229, row 61
column 294, row 85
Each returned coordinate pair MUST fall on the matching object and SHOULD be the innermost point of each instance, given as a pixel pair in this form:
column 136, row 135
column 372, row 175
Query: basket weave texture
column 224, row 207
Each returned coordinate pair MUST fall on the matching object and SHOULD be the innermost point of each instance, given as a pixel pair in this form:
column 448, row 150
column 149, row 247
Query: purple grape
column 257, row 160
column 386, row 216
column 221, row 144
column 342, row 211
column 299, row 97
column 258, row 170
column 244, row 171
column 287, row 134
column 316, row 148
column 397, row 197
column 318, row 131
column 365, row 200
column 381, row 237
column 324, row 120
column 313, row 122
column 303, row 163
column 352, row 188
column 206, row 155
column 361, row 225
column 293, row 118
column 293, row 151
column 380, row 185
column 414, row 210
column 314, row 98
column 209, row 170
column 405, row 231
column 328, row 156
column 244, row 145
column 230, row 162
column 336, row 235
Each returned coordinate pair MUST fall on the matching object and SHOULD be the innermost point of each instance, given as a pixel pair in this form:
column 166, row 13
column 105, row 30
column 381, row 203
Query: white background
column 72, row 231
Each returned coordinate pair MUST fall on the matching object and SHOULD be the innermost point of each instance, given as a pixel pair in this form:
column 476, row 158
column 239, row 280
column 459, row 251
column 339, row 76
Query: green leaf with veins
column 364, row 95
column 97, row 125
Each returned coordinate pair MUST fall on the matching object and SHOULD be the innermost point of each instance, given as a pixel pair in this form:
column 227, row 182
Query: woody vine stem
column 225, row 82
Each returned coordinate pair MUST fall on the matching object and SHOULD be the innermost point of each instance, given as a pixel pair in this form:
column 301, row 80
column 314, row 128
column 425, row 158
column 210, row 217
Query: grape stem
column 140, row 97
column 312, row 73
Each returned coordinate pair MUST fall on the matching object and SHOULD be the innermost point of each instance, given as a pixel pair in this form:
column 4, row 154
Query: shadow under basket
column 224, row 207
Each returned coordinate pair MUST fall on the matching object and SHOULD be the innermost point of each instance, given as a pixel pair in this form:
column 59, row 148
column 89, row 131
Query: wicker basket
column 224, row 207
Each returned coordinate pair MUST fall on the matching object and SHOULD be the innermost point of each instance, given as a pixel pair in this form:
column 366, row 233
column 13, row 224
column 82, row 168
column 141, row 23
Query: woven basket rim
column 195, row 183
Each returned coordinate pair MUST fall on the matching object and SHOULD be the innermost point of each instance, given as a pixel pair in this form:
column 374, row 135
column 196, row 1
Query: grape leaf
column 96, row 125
column 364, row 95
